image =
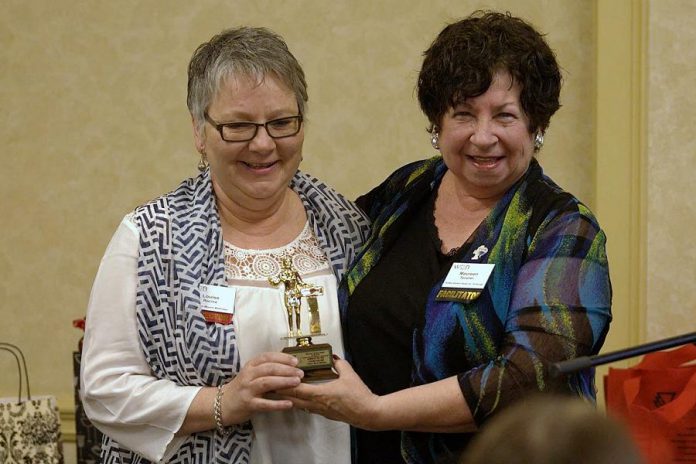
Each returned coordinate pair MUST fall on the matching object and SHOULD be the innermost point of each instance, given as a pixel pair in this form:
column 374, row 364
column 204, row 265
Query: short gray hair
column 254, row 52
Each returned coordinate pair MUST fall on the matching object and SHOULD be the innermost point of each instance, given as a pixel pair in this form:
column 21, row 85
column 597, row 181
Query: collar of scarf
column 396, row 199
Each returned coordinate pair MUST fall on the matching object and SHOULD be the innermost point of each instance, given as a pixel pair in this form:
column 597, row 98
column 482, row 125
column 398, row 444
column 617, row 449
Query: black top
column 382, row 314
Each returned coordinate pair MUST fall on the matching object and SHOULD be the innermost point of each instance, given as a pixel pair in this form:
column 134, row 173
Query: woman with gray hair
column 185, row 329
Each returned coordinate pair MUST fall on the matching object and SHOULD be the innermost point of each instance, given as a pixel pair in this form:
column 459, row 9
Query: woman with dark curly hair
column 480, row 271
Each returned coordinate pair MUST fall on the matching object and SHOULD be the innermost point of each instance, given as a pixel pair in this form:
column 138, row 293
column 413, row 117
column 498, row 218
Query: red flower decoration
column 79, row 323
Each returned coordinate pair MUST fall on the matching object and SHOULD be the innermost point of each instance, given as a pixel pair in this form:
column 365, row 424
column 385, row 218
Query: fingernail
column 336, row 357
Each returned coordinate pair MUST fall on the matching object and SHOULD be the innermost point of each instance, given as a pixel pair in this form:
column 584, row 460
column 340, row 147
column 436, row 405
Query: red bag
column 657, row 400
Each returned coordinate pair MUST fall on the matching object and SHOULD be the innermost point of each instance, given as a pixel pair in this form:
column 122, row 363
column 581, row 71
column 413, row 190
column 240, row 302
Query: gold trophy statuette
column 316, row 360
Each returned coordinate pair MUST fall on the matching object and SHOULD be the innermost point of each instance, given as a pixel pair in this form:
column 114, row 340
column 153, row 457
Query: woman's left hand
column 346, row 399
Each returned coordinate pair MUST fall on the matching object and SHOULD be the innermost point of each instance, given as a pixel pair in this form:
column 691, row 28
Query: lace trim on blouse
column 249, row 264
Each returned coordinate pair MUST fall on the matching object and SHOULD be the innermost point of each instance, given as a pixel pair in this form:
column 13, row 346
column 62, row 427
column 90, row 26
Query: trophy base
column 315, row 360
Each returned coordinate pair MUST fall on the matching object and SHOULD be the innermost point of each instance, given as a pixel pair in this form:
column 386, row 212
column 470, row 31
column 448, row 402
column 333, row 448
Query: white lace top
column 262, row 325
column 244, row 264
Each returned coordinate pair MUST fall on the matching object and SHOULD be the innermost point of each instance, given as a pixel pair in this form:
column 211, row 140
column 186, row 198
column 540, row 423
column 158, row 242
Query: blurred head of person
column 548, row 429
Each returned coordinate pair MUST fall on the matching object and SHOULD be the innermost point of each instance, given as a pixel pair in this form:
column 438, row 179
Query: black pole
column 583, row 362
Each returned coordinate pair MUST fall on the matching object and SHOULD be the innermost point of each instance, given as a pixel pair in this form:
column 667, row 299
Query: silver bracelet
column 217, row 412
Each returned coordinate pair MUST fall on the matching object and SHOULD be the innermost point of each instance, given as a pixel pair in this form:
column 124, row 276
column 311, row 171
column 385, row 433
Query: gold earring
column 203, row 163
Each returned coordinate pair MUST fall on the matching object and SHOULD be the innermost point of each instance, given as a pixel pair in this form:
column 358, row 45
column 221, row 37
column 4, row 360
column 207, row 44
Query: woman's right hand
column 251, row 390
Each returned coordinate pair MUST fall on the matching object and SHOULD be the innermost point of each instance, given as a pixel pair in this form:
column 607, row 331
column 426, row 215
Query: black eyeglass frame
column 220, row 126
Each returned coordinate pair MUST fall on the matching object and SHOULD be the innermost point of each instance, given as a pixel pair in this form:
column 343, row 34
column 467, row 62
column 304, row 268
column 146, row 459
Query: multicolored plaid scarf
column 549, row 293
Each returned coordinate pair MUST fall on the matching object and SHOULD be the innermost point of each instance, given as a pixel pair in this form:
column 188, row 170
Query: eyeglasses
column 245, row 131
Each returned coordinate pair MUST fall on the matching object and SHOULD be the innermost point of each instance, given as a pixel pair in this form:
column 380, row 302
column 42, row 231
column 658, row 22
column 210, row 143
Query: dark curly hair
column 462, row 60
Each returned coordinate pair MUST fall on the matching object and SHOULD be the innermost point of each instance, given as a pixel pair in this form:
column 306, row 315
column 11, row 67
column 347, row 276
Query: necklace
column 453, row 251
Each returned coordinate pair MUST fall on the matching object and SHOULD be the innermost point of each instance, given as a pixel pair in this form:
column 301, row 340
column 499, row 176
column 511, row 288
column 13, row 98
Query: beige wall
column 94, row 122
column 671, row 160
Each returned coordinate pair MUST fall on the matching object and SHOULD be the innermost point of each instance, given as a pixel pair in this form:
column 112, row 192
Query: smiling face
column 485, row 141
column 259, row 169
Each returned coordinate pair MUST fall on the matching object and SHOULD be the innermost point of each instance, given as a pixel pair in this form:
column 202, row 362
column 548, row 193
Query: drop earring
column 538, row 140
column 435, row 138
column 203, row 163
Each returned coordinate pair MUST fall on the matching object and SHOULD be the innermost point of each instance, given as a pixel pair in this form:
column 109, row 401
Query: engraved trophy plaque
column 316, row 360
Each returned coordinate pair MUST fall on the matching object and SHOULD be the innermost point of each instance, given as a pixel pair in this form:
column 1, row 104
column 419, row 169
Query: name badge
column 464, row 282
column 217, row 303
